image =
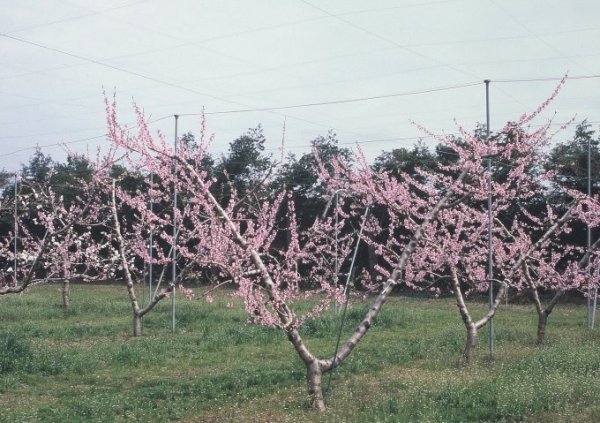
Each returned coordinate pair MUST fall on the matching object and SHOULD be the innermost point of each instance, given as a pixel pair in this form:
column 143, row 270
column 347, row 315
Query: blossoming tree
column 433, row 224
column 556, row 266
column 450, row 241
column 52, row 238
column 267, row 274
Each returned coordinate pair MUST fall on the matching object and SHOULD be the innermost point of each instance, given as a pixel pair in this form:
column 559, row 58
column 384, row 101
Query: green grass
column 82, row 364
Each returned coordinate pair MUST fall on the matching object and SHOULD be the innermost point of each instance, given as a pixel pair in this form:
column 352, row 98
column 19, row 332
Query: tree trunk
column 372, row 257
column 137, row 313
column 66, row 293
column 471, row 326
column 315, row 390
column 137, row 324
column 543, row 313
column 541, row 328
column 470, row 345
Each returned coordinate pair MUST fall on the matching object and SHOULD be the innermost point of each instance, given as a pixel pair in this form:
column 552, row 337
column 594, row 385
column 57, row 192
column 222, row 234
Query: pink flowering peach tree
column 127, row 219
column 432, row 229
column 556, row 267
column 53, row 239
column 267, row 273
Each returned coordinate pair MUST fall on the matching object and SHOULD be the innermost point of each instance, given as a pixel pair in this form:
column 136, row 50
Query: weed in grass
column 128, row 355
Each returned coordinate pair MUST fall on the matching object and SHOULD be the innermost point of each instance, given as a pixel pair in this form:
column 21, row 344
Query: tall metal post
column 174, row 274
column 151, row 245
column 589, row 232
column 16, row 230
column 489, row 206
column 595, row 300
column 337, row 266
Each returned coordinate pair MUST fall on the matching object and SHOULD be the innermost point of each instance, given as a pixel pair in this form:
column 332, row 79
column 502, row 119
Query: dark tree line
column 253, row 174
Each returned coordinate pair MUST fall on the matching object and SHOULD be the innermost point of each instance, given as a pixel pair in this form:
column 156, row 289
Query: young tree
column 133, row 207
column 432, row 225
column 521, row 240
column 53, row 239
column 453, row 244
column 268, row 278
column 556, row 267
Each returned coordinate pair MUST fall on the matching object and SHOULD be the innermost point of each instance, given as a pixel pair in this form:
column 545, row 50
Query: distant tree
column 245, row 167
column 568, row 160
column 67, row 177
column 568, row 163
column 404, row 161
column 5, row 179
column 206, row 162
column 39, row 168
column 301, row 176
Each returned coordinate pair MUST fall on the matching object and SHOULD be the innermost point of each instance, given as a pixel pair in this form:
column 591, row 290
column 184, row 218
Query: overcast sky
column 422, row 60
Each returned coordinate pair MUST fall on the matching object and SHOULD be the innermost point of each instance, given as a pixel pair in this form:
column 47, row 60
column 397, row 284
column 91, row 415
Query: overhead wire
column 339, row 101
column 526, row 28
column 202, row 41
column 196, row 42
column 52, row 145
column 73, row 18
column 117, row 68
column 545, row 79
column 332, row 102
column 302, row 146
column 63, row 143
column 329, row 15
column 350, row 100
column 144, row 76
column 385, row 39
column 279, row 25
column 151, row 78
column 401, row 46
column 157, row 80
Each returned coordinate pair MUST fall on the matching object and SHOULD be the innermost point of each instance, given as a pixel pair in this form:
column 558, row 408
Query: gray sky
column 180, row 56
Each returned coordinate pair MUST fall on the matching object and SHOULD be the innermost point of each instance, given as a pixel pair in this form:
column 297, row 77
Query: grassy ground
column 81, row 364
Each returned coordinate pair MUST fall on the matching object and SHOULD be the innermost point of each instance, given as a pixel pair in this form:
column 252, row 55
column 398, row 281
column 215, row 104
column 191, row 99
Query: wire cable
column 74, row 18
column 550, row 78
column 118, row 68
column 332, row 102
column 59, row 144
column 341, row 101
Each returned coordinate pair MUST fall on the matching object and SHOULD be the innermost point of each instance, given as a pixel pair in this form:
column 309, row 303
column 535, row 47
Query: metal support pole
column 589, row 232
column 337, row 266
column 16, row 230
column 174, row 274
column 151, row 245
column 346, row 298
column 594, row 303
column 489, row 207
column 336, row 240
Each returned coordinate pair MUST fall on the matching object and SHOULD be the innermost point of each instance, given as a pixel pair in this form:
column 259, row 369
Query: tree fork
column 314, row 375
